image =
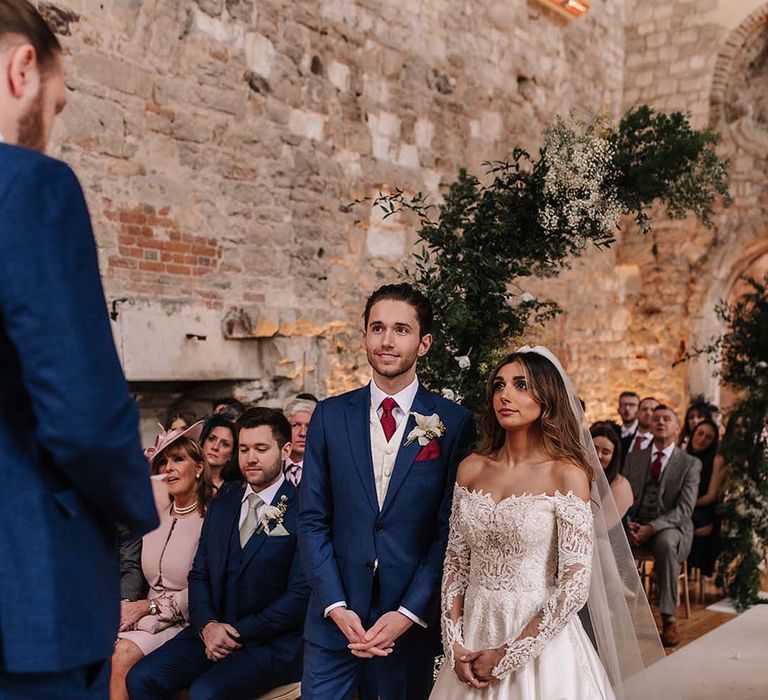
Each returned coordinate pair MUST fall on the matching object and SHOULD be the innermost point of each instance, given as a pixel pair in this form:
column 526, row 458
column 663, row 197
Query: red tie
column 656, row 466
column 388, row 423
column 638, row 443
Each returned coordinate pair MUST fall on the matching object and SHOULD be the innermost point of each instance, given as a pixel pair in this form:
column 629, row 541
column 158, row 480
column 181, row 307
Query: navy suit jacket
column 271, row 589
column 70, row 459
column 342, row 532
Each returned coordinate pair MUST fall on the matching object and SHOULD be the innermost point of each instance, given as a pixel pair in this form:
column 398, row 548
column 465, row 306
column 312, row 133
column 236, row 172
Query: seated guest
column 665, row 483
column 704, row 445
column 608, row 448
column 229, row 407
column 698, row 410
column 220, row 449
column 179, row 421
column 133, row 585
column 298, row 412
column 166, row 557
column 628, row 405
column 157, row 462
column 642, row 437
column 247, row 591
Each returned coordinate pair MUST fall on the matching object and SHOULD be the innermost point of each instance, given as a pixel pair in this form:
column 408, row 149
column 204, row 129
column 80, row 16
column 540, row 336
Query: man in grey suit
column 665, row 483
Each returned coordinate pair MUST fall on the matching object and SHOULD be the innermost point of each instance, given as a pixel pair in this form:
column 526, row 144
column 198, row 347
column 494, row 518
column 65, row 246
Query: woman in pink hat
column 181, row 495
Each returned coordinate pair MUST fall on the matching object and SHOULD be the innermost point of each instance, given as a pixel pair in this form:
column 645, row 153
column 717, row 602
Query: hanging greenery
column 476, row 249
column 743, row 352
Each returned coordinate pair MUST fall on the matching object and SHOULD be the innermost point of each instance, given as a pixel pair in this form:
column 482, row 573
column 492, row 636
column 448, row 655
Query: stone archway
column 739, row 111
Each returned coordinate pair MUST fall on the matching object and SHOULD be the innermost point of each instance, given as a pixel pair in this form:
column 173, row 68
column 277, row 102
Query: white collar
column 268, row 494
column 667, row 451
column 403, row 398
column 629, row 429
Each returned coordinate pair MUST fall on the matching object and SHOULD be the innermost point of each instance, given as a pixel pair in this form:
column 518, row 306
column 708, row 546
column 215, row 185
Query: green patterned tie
column 251, row 522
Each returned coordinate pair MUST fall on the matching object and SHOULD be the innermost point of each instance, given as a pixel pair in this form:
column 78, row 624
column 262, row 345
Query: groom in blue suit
column 72, row 469
column 379, row 470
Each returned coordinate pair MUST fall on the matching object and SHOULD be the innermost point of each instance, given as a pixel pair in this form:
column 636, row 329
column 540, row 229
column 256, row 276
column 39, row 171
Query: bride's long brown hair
column 559, row 428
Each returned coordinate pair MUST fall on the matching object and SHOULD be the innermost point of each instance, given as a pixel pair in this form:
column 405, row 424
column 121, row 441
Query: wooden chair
column 292, row 691
column 284, row 692
column 643, row 558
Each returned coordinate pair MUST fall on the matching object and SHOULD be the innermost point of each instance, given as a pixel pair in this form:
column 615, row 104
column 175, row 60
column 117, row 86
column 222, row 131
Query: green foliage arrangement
column 743, row 350
column 476, row 248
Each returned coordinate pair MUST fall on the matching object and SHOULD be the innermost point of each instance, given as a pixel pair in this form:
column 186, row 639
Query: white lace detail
column 574, row 567
column 533, row 551
column 455, row 579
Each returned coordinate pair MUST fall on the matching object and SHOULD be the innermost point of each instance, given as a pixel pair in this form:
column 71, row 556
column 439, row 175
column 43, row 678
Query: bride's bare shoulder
column 470, row 467
column 570, row 477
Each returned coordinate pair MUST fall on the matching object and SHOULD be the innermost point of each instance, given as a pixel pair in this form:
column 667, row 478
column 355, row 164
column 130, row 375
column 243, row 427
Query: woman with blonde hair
column 182, row 495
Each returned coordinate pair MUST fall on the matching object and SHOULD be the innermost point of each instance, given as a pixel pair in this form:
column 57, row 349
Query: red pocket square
column 430, row 451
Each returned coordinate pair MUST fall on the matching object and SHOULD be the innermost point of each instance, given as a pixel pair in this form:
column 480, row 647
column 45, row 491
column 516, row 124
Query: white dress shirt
column 627, row 430
column 666, row 454
column 404, row 400
column 267, row 495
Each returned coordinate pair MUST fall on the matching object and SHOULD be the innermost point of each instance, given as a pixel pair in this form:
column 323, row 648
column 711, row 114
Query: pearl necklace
column 184, row 511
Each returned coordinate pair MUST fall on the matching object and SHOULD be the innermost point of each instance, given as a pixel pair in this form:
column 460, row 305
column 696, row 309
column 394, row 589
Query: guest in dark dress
column 704, row 445
column 219, row 443
column 698, row 410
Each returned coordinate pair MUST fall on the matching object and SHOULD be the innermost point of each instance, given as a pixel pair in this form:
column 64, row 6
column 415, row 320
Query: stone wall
column 632, row 312
column 220, row 145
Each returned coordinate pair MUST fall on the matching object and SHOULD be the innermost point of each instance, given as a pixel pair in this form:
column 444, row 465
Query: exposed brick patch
column 151, row 243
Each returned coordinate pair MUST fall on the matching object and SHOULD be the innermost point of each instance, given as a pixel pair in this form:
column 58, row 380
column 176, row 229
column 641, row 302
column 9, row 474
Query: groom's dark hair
column 403, row 292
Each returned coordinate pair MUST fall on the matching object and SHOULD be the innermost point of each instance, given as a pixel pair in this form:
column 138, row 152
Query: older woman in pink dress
column 167, row 552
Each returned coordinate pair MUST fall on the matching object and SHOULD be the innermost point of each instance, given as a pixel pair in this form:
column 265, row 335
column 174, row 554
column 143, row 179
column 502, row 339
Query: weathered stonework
column 221, row 145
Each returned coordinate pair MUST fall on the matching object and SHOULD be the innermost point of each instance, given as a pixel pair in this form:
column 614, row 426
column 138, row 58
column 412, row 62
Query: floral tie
column 388, row 423
column 293, row 473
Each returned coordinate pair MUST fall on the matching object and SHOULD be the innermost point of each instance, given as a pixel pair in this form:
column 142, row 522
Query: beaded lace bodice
column 524, row 547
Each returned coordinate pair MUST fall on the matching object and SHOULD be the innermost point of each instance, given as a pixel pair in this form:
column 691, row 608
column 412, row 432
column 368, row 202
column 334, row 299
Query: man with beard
column 70, row 455
column 247, row 591
column 379, row 471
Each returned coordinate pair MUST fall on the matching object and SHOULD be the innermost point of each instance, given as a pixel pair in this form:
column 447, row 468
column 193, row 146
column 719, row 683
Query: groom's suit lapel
column 358, row 419
column 423, row 403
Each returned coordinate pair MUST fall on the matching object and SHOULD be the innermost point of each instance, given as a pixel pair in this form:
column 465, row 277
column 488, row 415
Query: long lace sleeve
column 574, row 565
column 455, row 579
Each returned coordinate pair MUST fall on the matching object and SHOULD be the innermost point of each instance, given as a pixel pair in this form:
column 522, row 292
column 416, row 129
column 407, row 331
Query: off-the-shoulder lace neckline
column 519, row 496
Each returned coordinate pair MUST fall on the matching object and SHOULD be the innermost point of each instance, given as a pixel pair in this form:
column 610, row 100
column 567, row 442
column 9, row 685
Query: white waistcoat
column 384, row 453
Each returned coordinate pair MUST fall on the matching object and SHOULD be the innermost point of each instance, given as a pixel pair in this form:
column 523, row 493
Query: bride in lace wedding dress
column 520, row 550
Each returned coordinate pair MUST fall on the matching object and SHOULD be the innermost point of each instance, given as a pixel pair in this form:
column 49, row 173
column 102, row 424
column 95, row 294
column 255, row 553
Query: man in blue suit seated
column 247, row 591
column 379, row 472
column 71, row 465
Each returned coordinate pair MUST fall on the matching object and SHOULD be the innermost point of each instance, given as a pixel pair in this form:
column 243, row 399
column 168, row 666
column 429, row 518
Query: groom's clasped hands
column 377, row 641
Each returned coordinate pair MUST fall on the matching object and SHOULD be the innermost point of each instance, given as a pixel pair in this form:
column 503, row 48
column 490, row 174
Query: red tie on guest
column 656, row 466
column 388, row 423
column 638, row 444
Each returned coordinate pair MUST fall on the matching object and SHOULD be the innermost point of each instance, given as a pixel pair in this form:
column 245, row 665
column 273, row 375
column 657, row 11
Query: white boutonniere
column 272, row 519
column 427, row 428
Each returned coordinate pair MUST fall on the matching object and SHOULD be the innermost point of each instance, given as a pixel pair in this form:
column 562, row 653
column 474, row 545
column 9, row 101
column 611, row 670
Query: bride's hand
column 483, row 662
column 463, row 668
